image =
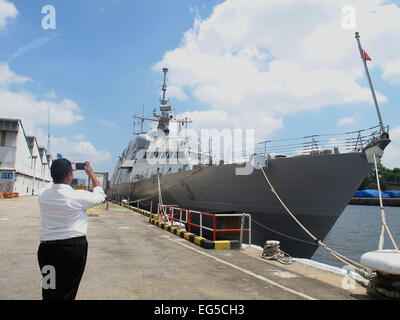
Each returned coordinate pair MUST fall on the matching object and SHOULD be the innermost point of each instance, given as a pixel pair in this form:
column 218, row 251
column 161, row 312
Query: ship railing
column 171, row 213
column 322, row 144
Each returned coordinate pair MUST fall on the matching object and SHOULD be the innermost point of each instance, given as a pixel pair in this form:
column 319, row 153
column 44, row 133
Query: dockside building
column 24, row 165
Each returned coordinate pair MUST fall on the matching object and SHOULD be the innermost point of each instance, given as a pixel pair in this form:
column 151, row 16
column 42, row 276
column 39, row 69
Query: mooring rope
column 362, row 270
column 384, row 225
column 272, row 251
column 283, row 234
column 160, row 202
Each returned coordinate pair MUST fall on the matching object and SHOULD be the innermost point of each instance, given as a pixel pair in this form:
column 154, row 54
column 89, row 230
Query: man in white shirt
column 63, row 226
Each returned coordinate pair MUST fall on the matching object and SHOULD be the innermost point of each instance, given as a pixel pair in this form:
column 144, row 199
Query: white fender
column 387, row 261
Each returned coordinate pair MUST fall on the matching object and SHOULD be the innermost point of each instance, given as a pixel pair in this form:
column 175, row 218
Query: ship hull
column 315, row 188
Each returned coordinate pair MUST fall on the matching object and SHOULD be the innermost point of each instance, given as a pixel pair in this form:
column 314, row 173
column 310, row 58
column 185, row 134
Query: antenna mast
column 164, row 87
column 165, row 117
column 142, row 120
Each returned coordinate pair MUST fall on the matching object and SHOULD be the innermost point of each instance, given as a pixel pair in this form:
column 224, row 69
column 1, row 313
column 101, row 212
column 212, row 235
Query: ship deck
column 129, row 258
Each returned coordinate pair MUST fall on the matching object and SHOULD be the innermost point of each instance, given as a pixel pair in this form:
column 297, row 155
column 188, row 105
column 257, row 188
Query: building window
column 3, row 138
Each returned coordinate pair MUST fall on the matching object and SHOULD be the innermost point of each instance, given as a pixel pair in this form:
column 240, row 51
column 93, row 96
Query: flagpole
column 370, row 83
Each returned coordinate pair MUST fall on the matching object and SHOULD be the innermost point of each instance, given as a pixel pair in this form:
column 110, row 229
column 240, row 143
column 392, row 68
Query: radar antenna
column 165, row 117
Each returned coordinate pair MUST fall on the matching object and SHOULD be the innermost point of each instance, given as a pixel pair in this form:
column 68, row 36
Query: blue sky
column 103, row 61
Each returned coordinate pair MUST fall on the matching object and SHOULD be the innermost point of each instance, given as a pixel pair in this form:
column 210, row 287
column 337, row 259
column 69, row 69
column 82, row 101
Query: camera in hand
column 80, row 166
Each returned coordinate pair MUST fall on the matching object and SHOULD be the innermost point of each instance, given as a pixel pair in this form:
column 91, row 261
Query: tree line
column 388, row 178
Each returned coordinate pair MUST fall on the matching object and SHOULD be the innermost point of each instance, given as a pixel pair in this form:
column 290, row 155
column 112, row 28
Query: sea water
column 357, row 231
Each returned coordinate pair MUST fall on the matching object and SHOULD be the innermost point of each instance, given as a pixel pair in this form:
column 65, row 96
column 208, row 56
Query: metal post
column 241, row 231
column 265, row 149
column 138, row 203
column 201, row 225
column 358, row 138
column 313, row 143
column 189, row 219
column 249, row 215
column 370, row 83
column 214, row 226
column 209, row 151
column 13, row 180
column 151, row 206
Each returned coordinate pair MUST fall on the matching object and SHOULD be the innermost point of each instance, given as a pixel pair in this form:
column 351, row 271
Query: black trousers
column 62, row 263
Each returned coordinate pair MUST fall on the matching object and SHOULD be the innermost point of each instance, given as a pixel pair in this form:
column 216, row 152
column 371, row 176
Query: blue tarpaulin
column 370, row 194
column 393, row 193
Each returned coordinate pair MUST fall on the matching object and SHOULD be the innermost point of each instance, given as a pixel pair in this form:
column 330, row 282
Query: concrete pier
column 129, row 258
column 387, row 202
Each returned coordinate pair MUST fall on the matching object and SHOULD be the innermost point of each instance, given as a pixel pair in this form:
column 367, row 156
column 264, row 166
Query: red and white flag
column 366, row 56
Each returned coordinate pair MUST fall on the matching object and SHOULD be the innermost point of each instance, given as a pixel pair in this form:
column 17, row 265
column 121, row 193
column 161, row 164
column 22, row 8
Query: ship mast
column 165, row 117
column 164, row 87
column 363, row 58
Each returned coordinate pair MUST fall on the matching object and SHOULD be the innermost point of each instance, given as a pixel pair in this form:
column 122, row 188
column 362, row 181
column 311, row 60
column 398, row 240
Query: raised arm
column 90, row 199
column 89, row 171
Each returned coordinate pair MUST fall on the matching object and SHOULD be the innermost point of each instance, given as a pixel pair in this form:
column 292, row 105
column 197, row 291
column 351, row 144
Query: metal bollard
column 241, row 231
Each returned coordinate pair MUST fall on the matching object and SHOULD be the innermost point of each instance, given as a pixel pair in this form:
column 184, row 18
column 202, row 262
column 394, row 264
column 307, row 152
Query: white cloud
column 8, row 77
column 261, row 58
column 25, row 106
column 33, row 113
column 346, row 120
column 391, row 72
column 80, row 150
column 221, row 119
column 77, row 149
column 79, row 136
column 108, row 124
column 7, row 11
column 51, row 94
column 391, row 157
column 37, row 43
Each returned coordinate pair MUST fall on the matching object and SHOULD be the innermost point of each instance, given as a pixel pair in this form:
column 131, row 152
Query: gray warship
column 316, row 176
